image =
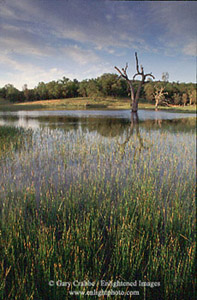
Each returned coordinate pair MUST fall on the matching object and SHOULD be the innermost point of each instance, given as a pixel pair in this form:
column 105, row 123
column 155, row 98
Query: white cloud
column 23, row 46
column 108, row 25
column 96, row 70
column 79, row 55
column 6, row 12
column 33, row 77
column 23, row 40
column 85, row 37
column 27, row 73
column 190, row 48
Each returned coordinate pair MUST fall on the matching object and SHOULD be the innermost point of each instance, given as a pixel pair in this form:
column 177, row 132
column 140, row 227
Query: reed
column 79, row 206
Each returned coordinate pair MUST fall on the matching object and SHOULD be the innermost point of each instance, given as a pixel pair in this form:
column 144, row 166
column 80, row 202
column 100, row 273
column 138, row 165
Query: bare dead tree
column 159, row 95
column 140, row 72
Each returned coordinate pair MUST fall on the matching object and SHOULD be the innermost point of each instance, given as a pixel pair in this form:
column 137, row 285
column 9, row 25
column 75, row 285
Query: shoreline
column 86, row 103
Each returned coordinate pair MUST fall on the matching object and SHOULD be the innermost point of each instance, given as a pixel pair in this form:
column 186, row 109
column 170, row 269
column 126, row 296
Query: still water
column 61, row 149
column 33, row 119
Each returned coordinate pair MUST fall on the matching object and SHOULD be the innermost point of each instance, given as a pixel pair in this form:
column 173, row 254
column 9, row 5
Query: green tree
column 54, row 89
column 184, row 99
column 149, row 91
column 42, row 91
column 32, row 95
column 70, row 89
column 11, row 93
column 82, row 90
column 119, row 88
column 26, row 92
column 93, row 88
column 3, row 92
column 177, row 99
column 108, row 84
column 192, row 97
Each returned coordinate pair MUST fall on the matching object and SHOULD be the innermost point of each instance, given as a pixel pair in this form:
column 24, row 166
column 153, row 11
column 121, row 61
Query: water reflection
column 131, row 130
column 143, row 114
column 106, row 123
column 70, row 151
column 18, row 121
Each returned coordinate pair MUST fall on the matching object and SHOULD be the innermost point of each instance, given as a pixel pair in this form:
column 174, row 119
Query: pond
column 76, row 146
column 92, row 188
column 32, row 119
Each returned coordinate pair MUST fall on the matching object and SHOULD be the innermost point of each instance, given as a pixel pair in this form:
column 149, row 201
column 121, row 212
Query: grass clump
column 83, row 208
column 12, row 139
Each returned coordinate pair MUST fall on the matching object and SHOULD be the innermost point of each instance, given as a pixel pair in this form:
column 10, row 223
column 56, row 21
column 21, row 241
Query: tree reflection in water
column 130, row 131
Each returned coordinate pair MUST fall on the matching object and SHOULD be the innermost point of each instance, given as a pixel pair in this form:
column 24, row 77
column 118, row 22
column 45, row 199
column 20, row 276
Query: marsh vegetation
column 92, row 198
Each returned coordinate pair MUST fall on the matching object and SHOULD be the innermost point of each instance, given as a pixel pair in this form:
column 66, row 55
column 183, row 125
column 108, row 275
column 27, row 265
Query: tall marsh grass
column 79, row 206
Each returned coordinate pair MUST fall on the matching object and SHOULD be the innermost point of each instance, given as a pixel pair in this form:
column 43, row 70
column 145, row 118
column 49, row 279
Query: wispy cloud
column 191, row 48
column 177, row 22
column 87, row 37
column 79, row 55
column 19, row 73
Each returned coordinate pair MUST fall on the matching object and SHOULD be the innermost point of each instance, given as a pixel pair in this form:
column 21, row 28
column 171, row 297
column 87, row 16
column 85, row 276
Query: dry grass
column 82, row 102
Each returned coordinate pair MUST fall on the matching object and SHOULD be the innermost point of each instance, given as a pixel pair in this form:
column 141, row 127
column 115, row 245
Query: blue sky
column 44, row 40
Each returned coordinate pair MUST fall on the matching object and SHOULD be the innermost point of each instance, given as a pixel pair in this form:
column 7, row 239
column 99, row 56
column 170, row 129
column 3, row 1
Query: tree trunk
column 134, row 97
column 156, row 103
column 134, row 118
column 135, row 106
column 132, row 94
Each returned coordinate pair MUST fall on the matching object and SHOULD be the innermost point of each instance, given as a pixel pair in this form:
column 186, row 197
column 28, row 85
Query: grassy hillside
column 85, row 102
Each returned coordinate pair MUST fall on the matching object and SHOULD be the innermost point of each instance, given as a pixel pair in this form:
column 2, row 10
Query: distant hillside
column 107, row 85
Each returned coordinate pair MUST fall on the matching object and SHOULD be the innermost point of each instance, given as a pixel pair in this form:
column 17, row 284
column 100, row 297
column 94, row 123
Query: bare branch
column 136, row 75
column 126, row 67
column 118, row 70
column 137, row 65
column 150, row 74
column 125, row 70
column 134, row 96
column 123, row 75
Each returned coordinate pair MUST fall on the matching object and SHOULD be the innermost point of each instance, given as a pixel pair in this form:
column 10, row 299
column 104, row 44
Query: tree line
column 107, row 85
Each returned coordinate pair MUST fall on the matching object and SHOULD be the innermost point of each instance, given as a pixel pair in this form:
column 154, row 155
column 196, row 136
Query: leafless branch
column 137, row 65
column 142, row 70
column 150, row 74
column 136, row 75
column 123, row 72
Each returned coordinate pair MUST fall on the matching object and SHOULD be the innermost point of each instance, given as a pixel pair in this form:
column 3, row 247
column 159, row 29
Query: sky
column 44, row 40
